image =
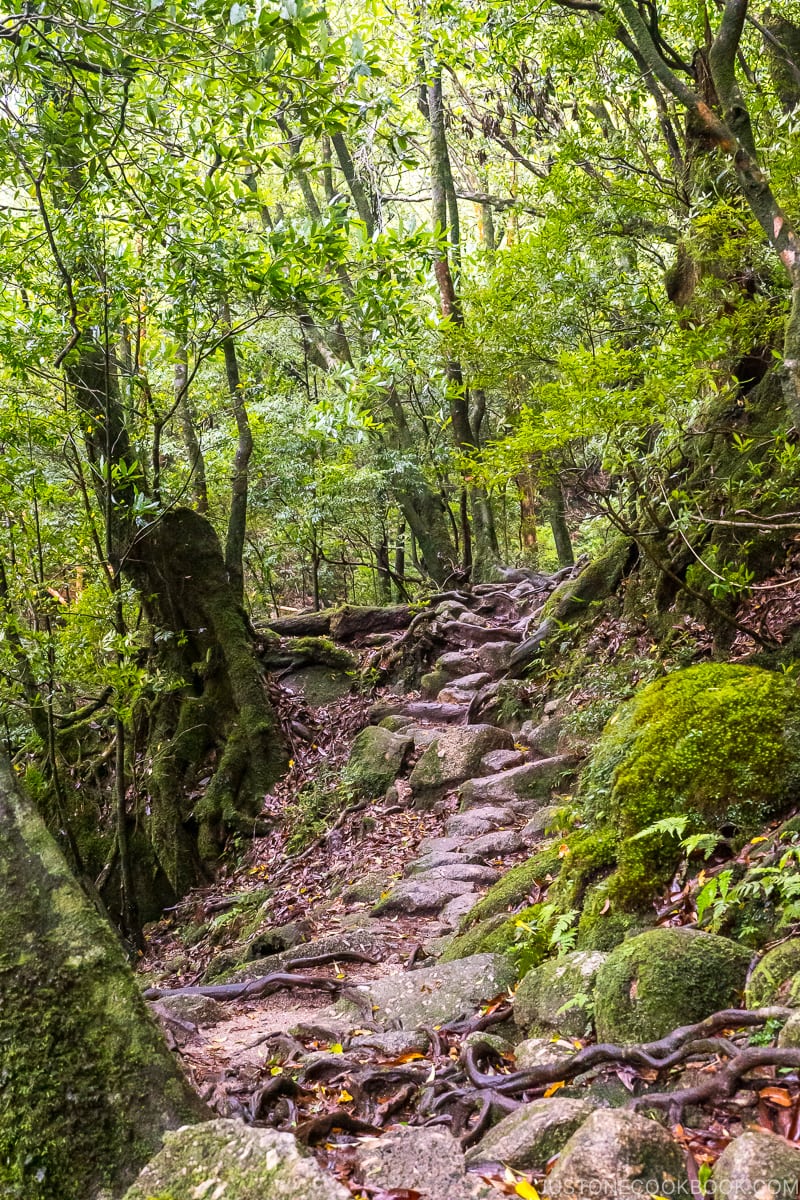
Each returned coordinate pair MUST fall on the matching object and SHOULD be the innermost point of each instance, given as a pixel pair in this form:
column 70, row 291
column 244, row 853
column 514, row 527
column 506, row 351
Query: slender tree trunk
column 188, row 421
column 89, row 1086
column 526, row 485
column 240, row 476
column 556, row 514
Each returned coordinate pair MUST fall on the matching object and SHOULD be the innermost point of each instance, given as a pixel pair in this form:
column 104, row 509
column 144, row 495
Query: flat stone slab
column 532, row 780
column 440, row 858
column 496, row 844
column 235, row 1161
column 477, row 873
column 439, row 845
column 425, row 895
column 478, row 821
column 454, row 910
column 434, row 995
column 528, row 1138
column 501, row 760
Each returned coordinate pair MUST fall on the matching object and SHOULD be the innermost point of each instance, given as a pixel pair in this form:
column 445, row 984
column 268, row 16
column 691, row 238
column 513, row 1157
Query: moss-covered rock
column 227, row 1158
column 513, row 890
column 757, row 1165
column 323, row 651
column 525, row 936
column 718, row 744
column 776, row 979
column 455, row 755
column 376, row 760
column 558, row 994
column 666, row 978
column 527, row 1139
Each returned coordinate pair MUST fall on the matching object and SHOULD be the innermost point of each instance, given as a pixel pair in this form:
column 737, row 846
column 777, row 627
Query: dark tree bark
column 188, row 421
column 240, row 475
column 89, row 1086
column 556, row 515
column 215, row 706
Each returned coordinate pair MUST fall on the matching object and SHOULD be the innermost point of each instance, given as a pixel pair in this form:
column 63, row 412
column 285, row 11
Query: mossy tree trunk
column 89, row 1086
column 213, row 718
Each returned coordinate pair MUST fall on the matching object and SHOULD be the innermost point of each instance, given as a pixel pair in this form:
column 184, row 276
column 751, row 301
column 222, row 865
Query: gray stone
column 501, row 760
column 539, row 823
column 362, row 941
column 369, row 888
column 439, row 845
column 230, row 1159
column 451, row 694
column 437, row 994
column 393, row 1042
column 495, row 657
column 528, row 1138
column 466, row 633
column 757, row 1166
column 471, row 683
column 531, row 781
column 327, row 1025
column 456, row 664
column 437, row 858
column 618, row 1155
column 318, row 685
column 455, row 755
column 455, row 909
column 545, row 997
column 544, row 736
column 479, row 821
column 789, row 1036
column 476, row 873
column 395, row 723
column 199, row 1010
column 496, row 844
column 541, row 1052
column 432, row 683
column 376, row 759
column 425, row 895
column 423, row 735
column 427, row 1161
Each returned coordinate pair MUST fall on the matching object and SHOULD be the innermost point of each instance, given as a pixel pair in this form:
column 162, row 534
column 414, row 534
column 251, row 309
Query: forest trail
column 404, row 872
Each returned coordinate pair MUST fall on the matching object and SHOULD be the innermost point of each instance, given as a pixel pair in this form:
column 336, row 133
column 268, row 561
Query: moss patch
column 513, row 890
column 666, row 978
column 525, row 936
column 776, row 979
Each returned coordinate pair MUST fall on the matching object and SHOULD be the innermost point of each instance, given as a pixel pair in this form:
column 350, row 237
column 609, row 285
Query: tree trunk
column 212, row 716
column 89, row 1086
column 240, row 476
column 528, row 534
column 186, row 414
column 556, row 515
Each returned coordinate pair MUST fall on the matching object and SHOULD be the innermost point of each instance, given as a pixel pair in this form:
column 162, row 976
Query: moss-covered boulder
column 376, row 760
column 558, row 994
column 757, row 1166
column 621, row 1155
column 666, row 978
column 527, row 1139
column 525, row 936
column 717, row 744
column 227, row 1158
column 516, row 886
column 455, row 755
column 776, row 979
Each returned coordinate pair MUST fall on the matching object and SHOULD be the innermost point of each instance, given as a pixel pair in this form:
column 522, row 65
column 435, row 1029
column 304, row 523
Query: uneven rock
column 395, row 724
column 665, row 978
column 437, row 858
column 545, row 999
column 776, row 979
column 200, row 1010
column 423, row 736
column 538, row 825
column 541, row 1051
column 362, row 941
column 496, row 844
column 477, row 873
column 469, row 683
column 478, row 821
column 789, row 1036
column 426, row 895
column 415, row 710
column 226, row 1158
column 455, row 756
column 432, row 682
column 454, row 910
column 376, row 759
column 369, row 888
column 501, row 760
column 531, row 781
column 439, row 845
column 458, row 663
column 429, row 1162
column 393, row 1042
column 437, row 994
column 618, row 1155
column 495, row 657
column 543, row 736
column 757, row 1166
column 328, row 1025
column 528, row 1138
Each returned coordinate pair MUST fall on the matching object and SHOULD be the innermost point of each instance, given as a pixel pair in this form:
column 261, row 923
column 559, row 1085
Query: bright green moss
column 776, row 979
column 513, row 889
column 322, row 650
column 717, row 743
column 524, row 935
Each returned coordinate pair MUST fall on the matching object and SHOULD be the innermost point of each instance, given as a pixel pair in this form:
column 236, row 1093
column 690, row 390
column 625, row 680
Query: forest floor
column 335, row 1075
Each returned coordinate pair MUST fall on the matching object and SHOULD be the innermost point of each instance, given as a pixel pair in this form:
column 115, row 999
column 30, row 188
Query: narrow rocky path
column 393, row 1081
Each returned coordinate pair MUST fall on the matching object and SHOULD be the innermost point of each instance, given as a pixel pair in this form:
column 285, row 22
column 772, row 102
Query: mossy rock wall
column 88, row 1085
